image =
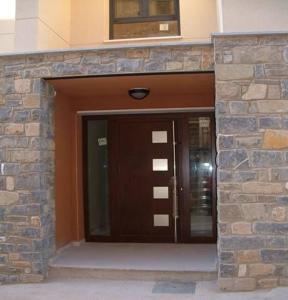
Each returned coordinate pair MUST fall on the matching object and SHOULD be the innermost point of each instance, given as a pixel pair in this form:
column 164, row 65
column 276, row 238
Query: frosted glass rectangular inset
column 161, row 220
column 159, row 137
column 160, row 164
column 161, row 192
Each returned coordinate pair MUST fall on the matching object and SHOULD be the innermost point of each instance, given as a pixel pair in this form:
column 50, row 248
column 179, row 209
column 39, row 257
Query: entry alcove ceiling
column 189, row 89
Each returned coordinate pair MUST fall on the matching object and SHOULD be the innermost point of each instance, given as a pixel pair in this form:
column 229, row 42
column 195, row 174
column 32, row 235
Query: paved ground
column 77, row 289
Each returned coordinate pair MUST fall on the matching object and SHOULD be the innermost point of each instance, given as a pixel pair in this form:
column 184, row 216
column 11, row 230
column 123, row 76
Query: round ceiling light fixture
column 139, row 93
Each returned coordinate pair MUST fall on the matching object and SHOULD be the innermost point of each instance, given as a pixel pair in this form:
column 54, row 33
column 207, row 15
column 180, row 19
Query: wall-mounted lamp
column 139, row 93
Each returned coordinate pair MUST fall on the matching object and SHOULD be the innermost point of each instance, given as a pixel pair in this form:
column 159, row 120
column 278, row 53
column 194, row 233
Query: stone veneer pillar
column 27, row 224
column 252, row 142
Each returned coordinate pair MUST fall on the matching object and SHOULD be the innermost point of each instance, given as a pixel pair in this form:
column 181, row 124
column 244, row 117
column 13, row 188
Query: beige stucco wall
column 90, row 21
column 54, row 24
column 42, row 24
column 255, row 15
column 7, row 25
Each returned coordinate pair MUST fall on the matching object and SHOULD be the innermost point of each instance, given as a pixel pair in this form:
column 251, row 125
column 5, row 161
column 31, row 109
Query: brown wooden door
column 128, row 200
column 143, row 204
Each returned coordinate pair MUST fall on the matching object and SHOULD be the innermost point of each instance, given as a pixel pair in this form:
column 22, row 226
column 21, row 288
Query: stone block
column 230, row 213
column 275, row 139
column 256, row 270
column 274, row 92
column 271, row 228
column 234, row 243
column 257, row 54
column 270, row 122
column 276, row 242
column 35, row 221
column 237, row 125
column 262, row 188
column 274, row 256
column 272, row 106
column 10, row 183
column 267, row 283
column 248, row 256
column 225, row 141
column 237, row 284
column 14, row 129
column 101, row 69
column 238, row 107
column 227, row 270
column 153, row 66
column 28, row 182
column 285, row 54
column 279, row 214
column 279, row 174
column 22, row 86
column 284, row 88
column 282, row 200
column 249, row 142
column 138, row 53
column 174, row 65
column 241, row 228
column 21, row 116
column 227, row 257
column 234, row 72
column 228, row 91
column 129, row 65
column 231, row 158
column 242, row 271
column 32, row 278
column 8, row 198
column 5, row 113
column 266, row 159
column 254, row 211
column 32, row 129
column 24, row 156
column 255, row 92
column 243, row 198
column 14, row 256
column 31, row 101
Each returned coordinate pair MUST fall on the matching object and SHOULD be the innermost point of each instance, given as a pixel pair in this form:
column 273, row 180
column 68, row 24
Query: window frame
column 144, row 17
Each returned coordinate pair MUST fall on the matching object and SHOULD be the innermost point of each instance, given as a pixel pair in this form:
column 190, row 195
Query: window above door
column 144, row 18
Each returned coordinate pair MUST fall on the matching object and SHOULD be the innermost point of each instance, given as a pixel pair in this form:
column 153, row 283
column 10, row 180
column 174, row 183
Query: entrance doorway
column 150, row 178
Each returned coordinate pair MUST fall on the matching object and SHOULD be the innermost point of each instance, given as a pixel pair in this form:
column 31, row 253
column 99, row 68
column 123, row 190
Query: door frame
column 180, row 160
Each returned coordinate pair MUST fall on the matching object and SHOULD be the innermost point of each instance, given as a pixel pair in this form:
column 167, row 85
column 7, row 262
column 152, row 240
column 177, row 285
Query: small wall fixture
column 139, row 93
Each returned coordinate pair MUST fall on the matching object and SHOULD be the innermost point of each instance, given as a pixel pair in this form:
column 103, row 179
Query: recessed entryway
column 108, row 96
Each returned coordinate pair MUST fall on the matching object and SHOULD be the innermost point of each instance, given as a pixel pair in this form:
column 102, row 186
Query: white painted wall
column 255, row 15
column 7, row 25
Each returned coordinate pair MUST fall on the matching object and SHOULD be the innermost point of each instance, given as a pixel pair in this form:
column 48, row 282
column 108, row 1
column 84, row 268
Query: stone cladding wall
column 252, row 142
column 27, row 202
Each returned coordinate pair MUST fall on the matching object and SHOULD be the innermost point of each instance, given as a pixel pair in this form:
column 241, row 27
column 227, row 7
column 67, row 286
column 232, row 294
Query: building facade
column 45, row 96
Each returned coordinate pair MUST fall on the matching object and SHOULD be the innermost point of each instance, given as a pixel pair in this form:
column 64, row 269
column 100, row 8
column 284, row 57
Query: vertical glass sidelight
column 97, row 169
column 201, row 176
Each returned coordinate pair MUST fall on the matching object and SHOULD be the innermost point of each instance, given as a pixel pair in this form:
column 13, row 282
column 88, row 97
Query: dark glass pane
column 97, row 159
column 201, row 168
column 127, row 8
column 161, row 7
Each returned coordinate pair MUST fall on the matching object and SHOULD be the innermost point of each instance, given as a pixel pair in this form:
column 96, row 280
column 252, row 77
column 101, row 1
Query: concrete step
column 116, row 274
column 136, row 261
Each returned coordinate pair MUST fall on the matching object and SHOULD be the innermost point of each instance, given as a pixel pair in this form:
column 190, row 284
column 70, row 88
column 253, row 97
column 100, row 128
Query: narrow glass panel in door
column 201, row 177
column 97, row 178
